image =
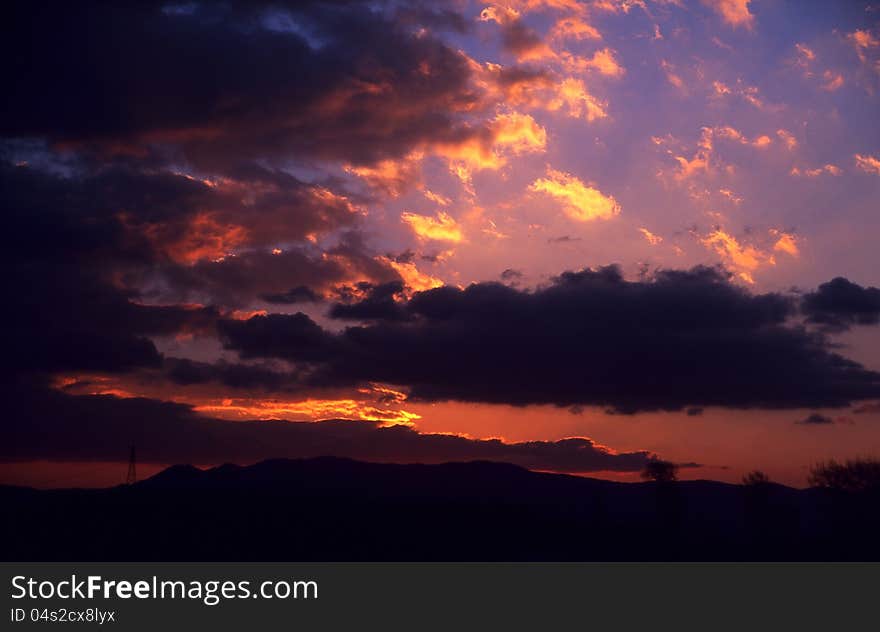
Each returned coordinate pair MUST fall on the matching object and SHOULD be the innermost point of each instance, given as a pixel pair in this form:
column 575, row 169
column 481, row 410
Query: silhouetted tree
column 759, row 520
column 856, row 475
column 854, row 496
column 755, row 478
column 668, row 505
column 660, row 471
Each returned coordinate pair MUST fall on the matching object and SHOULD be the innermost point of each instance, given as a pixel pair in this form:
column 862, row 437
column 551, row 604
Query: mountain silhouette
column 327, row 509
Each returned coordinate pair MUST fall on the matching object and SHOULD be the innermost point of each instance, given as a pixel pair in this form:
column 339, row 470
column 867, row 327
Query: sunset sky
column 569, row 235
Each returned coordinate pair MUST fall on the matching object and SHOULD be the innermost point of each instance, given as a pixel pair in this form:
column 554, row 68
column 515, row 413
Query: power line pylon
column 131, row 477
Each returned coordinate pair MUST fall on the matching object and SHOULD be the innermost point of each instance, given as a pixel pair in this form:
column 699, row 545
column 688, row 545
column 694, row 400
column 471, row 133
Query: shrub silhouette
column 660, row 471
column 755, row 478
column 855, row 475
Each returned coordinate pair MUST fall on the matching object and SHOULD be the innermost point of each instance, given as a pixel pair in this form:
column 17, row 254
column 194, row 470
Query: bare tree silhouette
column 855, row 475
column 660, row 471
column 755, row 478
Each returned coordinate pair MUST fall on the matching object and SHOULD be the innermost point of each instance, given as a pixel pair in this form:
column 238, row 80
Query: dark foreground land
column 330, row 509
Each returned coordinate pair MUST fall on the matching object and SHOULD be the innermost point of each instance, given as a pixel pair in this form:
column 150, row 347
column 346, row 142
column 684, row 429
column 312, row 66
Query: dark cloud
column 381, row 302
column 516, row 37
column 239, row 280
column 675, row 340
column 840, row 304
column 66, row 320
column 51, row 425
column 694, row 411
column 511, row 275
column 870, row 407
column 186, row 372
column 299, row 294
column 815, row 419
column 222, row 83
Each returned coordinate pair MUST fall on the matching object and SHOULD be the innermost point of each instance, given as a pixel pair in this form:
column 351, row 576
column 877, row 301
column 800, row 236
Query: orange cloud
column 603, row 61
column 414, row 278
column 868, row 164
column 703, row 160
column 391, row 176
column 573, row 27
column 310, row 409
column 573, row 94
column 745, row 258
column 443, row 227
column 788, row 138
column 204, row 238
column 516, row 36
column 805, row 53
column 650, row 237
column 832, row 81
column 671, row 76
column 786, row 242
column 734, row 12
column 862, row 40
column 436, row 198
column 507, row 134
column 830, row 169
column 580, row 202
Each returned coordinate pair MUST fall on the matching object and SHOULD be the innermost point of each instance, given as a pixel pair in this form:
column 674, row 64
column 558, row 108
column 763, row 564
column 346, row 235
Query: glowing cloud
column 744, row 257
column 573, row 94
column 311, row 409
column 507, row 134
column 862, row 40
column 832, row 81
column 603, row 61
column 391, row 176
column 734, row 12
column 786, row 243
column 413, row 278
column 574, row 28
column 671, row 75
column 204, row 238
column 788, row 138
column 868, row 164
column 581, row 202
column 650, row 237
column 829, row 169
column 440, row 228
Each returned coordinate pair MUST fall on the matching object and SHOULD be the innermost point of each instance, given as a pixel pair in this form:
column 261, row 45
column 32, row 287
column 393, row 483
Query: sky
column 575, row 236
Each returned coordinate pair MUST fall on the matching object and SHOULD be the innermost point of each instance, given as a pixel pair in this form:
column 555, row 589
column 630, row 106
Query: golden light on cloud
column 650, row 237
column 786, row 243
column 862, row 40
column 573, row 94
column 829, row 169
column 704, row 160
column 868, row 164
column 671, row 75
column 518, row 133
column 573, row 27
column 414, row 278
column 734, row 12
column 436, row 198
column 788, row 138
column 390, row 176
column 832, row 81
column 603, row 61
column 205, row 238
column 582, row 203
column 310, row 409
column 745, row 258
column 507, row 135
column 443, row 227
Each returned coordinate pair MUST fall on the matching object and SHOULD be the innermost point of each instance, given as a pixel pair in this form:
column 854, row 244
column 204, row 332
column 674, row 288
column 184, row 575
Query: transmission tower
column 132, row 470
